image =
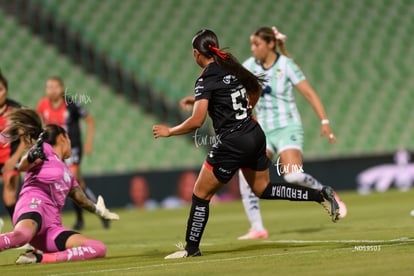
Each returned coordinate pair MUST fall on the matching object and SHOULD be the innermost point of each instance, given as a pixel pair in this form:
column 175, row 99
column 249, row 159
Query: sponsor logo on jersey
column 196, row 90
column 279, row 74
column 227, row 79
column 224, row 170
column 35, row 203
column 66, row 175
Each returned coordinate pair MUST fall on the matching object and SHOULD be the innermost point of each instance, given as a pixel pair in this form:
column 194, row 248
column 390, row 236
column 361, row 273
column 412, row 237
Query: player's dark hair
column 267, row 34
column 3, row 80
column 51, row 132
column 26, row 123
column 206, row 42
column 58, row 79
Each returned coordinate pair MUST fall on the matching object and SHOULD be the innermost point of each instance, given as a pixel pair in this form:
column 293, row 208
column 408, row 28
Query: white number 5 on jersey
column 237, row 105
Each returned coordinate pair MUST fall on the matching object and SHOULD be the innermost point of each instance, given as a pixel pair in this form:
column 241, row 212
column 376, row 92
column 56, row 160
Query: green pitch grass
column 375, row 239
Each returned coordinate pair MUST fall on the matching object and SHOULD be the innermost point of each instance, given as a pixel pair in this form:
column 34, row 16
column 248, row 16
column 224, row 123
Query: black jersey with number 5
column 228, row 103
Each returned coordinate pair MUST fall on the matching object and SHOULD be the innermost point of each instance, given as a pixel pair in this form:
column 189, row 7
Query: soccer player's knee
column 258, row 191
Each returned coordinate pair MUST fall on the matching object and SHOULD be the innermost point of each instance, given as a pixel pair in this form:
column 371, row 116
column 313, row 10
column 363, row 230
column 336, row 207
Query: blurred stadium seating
column 355, row 53
column 123, row 138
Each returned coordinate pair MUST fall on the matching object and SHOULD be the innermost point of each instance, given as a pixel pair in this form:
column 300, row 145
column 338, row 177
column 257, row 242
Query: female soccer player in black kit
column 227, row 91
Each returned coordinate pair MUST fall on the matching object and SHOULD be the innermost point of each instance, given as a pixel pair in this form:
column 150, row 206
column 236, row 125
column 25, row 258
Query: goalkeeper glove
column 37, row 151
column 102, row 211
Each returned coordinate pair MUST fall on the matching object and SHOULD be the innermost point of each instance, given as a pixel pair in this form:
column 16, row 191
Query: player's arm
column 34, row 156
column 10, row 164
column 90, row 131
column 309, row 93
column 77, row 194
column 25, row 165
column 195, row 121
column 187, row 103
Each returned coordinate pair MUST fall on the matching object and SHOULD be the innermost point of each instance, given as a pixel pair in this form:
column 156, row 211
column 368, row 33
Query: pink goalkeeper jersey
column 50, row 181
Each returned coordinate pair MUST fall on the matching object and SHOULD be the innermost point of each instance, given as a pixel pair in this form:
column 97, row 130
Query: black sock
column 10, row 210
column 196, row 223
column 78, row 212
column 291, row 192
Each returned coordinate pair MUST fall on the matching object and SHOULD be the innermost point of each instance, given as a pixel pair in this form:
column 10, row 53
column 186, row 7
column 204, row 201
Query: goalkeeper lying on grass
column 37, row 218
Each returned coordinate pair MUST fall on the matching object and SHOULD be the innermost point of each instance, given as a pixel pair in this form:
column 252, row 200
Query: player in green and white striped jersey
column 279, row 117
column 277, row 108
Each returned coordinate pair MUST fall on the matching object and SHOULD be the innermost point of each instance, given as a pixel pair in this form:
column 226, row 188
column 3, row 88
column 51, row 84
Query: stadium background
column 133, row 60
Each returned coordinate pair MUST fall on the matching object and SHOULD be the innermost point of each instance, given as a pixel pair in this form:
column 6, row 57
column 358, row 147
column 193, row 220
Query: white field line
column 391, row 243
column 403, row 239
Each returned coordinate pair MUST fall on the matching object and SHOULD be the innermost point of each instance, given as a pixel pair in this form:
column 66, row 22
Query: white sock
column 303, row 179
column 250, row 204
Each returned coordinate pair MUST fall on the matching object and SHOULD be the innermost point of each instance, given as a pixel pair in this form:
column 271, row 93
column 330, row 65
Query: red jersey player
column 65, row 110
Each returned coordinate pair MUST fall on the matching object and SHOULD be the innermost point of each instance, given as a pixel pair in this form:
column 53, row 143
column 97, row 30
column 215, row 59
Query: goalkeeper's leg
column 71, row 246
column 90, row 249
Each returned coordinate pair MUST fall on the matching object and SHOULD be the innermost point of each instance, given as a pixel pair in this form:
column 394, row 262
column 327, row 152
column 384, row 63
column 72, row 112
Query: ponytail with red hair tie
column 217, row 51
